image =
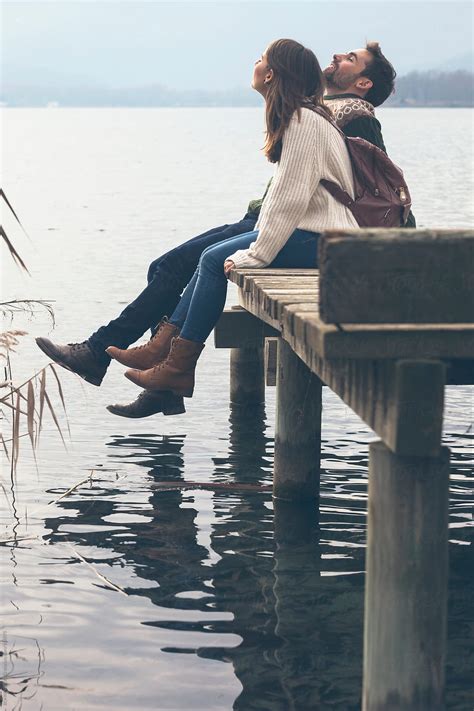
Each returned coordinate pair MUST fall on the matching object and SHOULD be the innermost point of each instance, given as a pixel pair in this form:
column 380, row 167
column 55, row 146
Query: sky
column 212, row 45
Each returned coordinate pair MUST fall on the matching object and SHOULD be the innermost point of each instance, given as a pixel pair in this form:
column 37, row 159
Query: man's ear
column 364, row 84
column 268, row 76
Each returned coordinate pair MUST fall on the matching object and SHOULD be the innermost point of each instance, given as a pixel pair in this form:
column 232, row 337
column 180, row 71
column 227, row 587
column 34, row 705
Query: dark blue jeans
column 204, row 298
column 167, row 277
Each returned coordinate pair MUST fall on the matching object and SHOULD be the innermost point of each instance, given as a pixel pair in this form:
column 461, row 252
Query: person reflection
column 162, row 548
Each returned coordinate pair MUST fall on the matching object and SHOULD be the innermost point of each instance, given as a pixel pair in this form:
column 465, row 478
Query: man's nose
column 337, row 57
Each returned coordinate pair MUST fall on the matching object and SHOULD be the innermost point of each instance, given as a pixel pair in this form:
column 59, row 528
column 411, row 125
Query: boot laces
column 160, row 366
column 79, row 346
column 145, row 345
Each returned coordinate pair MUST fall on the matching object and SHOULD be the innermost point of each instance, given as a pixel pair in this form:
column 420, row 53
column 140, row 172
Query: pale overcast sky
column 212, row 45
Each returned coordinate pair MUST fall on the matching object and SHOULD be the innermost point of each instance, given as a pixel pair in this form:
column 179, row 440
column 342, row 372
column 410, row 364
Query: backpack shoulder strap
column 337, row 192
column 333, row 188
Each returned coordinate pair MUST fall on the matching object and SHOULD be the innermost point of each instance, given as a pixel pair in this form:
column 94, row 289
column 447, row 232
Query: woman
column 306, row 147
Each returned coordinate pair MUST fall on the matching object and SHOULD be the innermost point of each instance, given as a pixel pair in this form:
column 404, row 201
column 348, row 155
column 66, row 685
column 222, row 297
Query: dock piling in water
column 393, row 326
column 247, row 375
column 406, row 581
column 297, row 428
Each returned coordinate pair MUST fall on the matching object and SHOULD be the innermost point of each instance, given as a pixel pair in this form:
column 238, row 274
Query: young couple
column 280, row 230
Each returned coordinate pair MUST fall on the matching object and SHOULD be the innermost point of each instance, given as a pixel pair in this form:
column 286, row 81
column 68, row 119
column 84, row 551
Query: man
column 357, row 81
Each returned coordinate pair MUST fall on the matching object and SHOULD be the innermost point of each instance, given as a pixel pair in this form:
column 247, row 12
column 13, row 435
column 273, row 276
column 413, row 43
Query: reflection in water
column 299, row 640
column 237, row 578
column 21, row 659
column 235, row 612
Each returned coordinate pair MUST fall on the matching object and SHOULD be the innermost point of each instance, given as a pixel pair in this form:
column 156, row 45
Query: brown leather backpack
column 382, row 198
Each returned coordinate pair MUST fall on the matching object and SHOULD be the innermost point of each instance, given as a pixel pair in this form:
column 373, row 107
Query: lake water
column 221, row 601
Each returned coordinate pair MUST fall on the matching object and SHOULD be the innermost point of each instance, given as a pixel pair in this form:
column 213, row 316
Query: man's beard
column 334, row 80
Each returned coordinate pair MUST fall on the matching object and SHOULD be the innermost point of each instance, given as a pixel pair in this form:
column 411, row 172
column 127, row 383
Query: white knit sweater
column 312, row 149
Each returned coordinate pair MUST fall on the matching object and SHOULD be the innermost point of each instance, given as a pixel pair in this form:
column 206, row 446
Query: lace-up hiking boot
column 150, row 353
column 76, row 357
column 148, row 403
column 176, row 373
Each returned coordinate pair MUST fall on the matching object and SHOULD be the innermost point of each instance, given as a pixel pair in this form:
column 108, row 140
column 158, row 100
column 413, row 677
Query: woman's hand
column 228, row 266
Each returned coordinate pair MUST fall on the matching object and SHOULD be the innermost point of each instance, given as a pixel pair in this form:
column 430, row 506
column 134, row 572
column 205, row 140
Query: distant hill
column 430, row 88
column 146, row 96
column 434, row 88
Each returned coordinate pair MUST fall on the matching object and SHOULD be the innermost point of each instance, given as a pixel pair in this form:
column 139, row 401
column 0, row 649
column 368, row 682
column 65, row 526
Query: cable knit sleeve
column 295, row 181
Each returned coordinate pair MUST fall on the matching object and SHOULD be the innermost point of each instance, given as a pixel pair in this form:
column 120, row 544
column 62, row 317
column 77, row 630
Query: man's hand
column 228, row 266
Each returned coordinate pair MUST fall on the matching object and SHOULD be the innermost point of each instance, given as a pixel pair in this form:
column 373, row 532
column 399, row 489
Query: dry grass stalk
column 28, row 306
column 105, row 580
column 14, row 396
column 12, row 250
column 16, row 257
column 18, row 539
column 34, row 417
column 73, row 488
column 9, row 339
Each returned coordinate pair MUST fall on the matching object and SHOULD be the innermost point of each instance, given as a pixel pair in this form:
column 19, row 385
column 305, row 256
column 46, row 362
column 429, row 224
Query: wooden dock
column 386, row 322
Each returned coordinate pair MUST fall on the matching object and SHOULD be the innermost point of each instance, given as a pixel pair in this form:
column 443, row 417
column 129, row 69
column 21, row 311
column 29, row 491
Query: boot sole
column 165, row 412
column 92, row 379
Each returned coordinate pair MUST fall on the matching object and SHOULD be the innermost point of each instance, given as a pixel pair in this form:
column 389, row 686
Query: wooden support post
column 297, row 428
column 271, row 355
column 406, row 584
column 247, row 375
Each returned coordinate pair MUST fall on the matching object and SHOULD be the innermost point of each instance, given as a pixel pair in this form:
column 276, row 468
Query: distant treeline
column 434, row 89
column 414, row 89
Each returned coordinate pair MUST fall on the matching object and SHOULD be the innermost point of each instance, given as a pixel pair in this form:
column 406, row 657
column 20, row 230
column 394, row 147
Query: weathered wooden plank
column 397, row 276
column 406, row 581
column 237, row 328
column 365, row 340
column 238, row 276
column 381, row 341
column 274, row 302
column 302, row 285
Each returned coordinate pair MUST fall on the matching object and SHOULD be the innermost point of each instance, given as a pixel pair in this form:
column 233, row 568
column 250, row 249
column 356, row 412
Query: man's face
column 345, row 69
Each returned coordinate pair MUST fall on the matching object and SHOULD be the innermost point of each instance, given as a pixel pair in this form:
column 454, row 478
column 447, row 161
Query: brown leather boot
column 176, row 373
column 150, row 353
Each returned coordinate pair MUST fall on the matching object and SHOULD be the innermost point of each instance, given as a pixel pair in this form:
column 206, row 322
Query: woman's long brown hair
column 297, row 81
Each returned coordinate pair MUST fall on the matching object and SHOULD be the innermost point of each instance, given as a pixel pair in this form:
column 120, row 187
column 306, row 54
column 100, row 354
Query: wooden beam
column 406, row 582
column 286, row 311
column 374, row 390
column 237, row 328
column 397, row 276
column 271, row 358
column 414, row 416
column 297, row 429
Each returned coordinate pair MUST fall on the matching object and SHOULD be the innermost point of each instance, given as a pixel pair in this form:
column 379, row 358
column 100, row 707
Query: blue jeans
column 204, row 298
column 167, row 277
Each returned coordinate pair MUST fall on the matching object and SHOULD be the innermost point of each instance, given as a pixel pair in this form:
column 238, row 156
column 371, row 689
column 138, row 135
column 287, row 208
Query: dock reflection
column 300, row 632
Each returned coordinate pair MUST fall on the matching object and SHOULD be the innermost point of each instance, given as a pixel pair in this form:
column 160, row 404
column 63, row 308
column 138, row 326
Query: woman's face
column 262, row 75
